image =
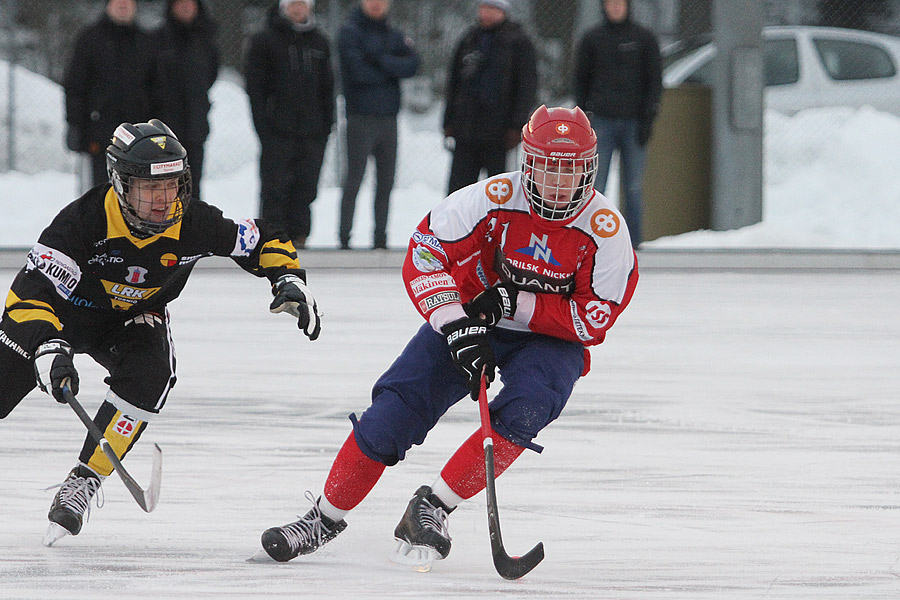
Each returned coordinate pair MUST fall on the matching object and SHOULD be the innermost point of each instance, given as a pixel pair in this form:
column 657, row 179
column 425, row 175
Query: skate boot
column 303, row 536
column 72, row 504
column 422, row 534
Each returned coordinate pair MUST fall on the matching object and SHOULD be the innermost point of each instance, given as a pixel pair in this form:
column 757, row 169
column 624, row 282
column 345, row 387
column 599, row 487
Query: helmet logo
column 124, row 135
column 605, row 223
column 175, row 166
column 499, row 191
column 562, row 129
column 160, row 141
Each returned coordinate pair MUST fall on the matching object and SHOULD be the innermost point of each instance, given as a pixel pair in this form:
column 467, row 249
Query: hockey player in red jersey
column 518, row 273
column 99, row 281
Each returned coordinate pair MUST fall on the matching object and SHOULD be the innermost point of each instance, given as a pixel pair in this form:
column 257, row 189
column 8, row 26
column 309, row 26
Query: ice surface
column 738, row 438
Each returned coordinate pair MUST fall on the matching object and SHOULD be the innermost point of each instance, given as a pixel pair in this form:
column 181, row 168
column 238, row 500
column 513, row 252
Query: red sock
column 352, row 476
column 464, row 472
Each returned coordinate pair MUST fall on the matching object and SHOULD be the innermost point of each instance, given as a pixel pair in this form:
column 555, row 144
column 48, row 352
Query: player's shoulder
column 601, row 220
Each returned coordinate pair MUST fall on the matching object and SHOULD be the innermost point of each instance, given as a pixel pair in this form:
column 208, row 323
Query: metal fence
column 36, row 37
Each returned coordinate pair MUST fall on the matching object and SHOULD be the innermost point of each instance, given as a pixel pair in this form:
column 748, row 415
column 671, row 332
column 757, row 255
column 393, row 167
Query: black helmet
column 146, row 152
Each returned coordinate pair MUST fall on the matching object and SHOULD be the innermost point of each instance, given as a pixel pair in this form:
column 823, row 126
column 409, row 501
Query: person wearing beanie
column 290, row 83
column 188, row 65
column 618, row 83
column 491, row 90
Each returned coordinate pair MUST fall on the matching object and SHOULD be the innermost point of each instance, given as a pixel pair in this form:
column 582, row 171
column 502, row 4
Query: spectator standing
column 618, row 83
column 188, row 64
column 491, row 91
column 290, row 82
column 106, row 82
column 374, row 58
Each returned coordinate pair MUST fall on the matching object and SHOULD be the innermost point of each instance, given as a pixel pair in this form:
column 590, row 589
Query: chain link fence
column 36, row 37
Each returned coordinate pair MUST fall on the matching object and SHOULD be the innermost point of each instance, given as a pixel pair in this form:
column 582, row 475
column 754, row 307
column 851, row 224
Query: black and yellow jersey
column 88, row 267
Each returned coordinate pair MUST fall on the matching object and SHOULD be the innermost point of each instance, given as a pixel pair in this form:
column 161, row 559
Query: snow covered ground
column 737, row 439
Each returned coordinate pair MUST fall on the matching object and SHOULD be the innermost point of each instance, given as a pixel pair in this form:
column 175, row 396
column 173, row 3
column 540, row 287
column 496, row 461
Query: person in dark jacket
column 290, row 83
column 106, row 82
column 618, row 83
column 374, row 58
column 491, row 91
column 188, row 64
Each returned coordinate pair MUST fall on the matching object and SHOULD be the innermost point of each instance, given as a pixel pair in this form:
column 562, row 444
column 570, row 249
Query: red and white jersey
column 574, row 277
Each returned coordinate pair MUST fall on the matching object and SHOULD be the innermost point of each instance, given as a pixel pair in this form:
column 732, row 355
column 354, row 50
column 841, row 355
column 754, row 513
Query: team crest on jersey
column 605, row 223
column 424, row 260
column 499, row 190
column 538, row 250
column 136, row 275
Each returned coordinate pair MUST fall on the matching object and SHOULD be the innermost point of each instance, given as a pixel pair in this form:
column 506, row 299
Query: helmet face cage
column 559, row 162
column 557, row 188
column 141, row 158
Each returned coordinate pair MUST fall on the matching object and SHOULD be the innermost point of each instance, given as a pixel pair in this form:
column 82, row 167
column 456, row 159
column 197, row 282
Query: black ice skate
column 72, row 504
column 301, row 537
column 422, row 534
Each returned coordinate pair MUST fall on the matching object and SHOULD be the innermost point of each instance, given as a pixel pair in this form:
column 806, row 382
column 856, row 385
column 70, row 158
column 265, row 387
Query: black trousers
column 374, row 135
column 470, row 157
column 137, row 353
column 289, row 169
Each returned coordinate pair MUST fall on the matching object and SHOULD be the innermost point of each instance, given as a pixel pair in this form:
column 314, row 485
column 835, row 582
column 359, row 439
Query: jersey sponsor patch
column 428, row 240
column 424, row 260
column 247, row 238
column 499, row 191
column 577, row 323
column 168, row 260
column 136, row 275
column 439, row 299
column 605, row 223
column 538, row 250
column 61, row 270
column 124, row 296
column 598, row 313
column 4, row 339
column 426, row 283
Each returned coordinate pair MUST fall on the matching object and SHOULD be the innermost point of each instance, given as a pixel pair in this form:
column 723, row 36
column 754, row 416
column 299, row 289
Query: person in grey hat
column 491, row 91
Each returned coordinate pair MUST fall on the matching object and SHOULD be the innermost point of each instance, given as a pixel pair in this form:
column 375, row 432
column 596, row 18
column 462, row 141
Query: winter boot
column 424, row 527
column 72, row 504
column 303, row 536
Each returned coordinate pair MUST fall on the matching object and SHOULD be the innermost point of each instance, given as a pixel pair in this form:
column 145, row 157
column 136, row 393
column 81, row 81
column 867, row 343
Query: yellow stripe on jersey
column 12, row 298
column 116, row 226
column 275, row 253
column 22, row 315
column 121, row 433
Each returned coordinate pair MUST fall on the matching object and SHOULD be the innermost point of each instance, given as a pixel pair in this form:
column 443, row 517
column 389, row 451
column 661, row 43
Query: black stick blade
column 514, row 567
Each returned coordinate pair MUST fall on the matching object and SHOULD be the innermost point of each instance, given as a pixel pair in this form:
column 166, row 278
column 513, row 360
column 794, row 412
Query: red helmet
column 558, row 140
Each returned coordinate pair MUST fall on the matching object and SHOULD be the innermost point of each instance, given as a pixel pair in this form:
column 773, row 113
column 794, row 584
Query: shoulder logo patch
column 605, row 223
column 499, row 191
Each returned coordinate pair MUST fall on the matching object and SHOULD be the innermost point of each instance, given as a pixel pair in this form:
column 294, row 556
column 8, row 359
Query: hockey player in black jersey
column 99, row 281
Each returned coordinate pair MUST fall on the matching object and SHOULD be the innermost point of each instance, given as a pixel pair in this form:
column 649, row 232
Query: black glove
column 470, row 350
column 493, row 304
column 293, row 297
column 645, row 130
column 53, row 366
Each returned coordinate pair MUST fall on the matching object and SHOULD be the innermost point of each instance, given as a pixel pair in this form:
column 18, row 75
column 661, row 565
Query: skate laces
column 308, row 529
column 75, row 493
column 433, row 517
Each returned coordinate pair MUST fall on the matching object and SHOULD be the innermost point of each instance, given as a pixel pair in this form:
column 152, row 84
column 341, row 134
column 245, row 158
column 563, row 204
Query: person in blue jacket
column 374, row 57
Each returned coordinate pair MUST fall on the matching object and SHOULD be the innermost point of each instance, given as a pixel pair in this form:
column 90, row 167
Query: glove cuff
column 55, row 346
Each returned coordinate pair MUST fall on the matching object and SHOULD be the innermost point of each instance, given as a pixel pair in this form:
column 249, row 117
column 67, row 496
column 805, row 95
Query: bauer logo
column 499, row 191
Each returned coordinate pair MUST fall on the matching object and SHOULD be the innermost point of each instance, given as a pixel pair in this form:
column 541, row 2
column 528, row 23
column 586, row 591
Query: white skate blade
column 261, row 556
column 55, row 532
column 420, row 558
